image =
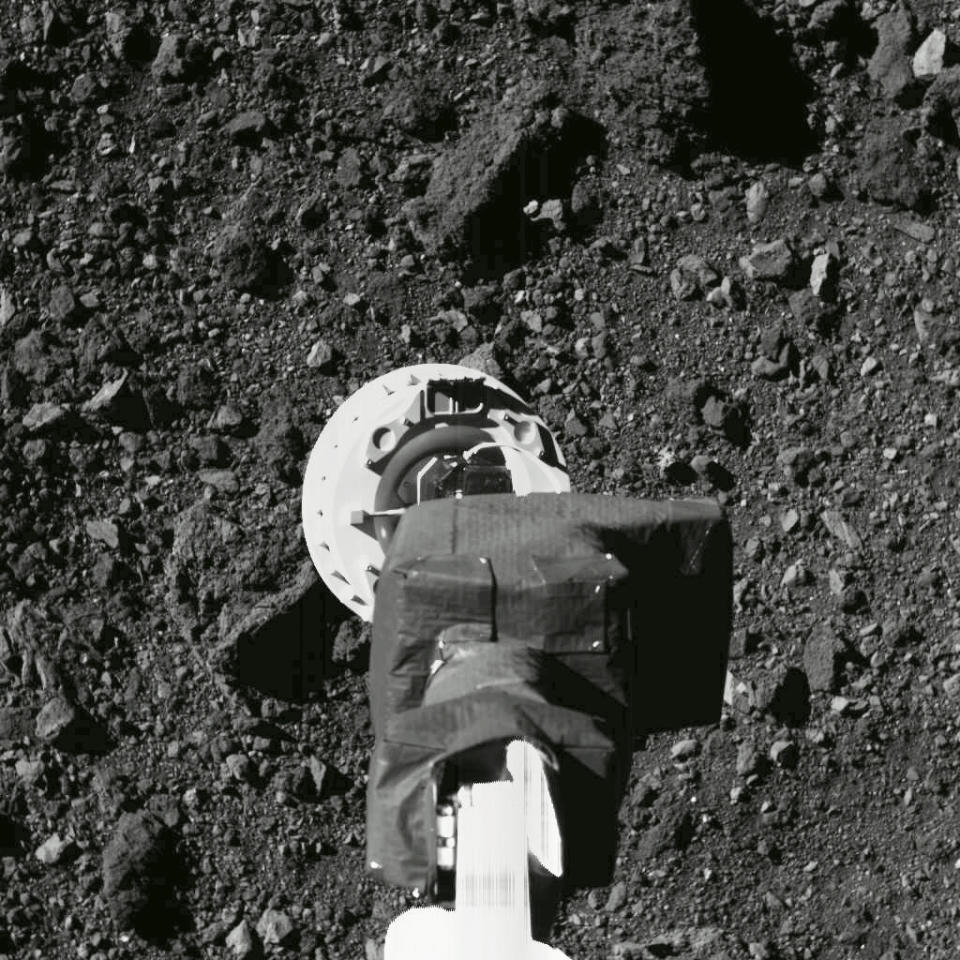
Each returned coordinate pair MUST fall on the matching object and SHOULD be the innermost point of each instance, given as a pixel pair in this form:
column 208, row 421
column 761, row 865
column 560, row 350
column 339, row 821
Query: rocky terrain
column 714, row 241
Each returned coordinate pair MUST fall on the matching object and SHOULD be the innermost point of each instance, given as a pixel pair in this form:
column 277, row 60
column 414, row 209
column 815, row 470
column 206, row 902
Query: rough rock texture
column 138, row 862
column 890, row 169
column 207, row 245
column 473, row 203
column 891, row 64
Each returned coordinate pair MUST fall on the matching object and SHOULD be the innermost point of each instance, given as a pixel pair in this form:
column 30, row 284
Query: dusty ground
column 739, row 279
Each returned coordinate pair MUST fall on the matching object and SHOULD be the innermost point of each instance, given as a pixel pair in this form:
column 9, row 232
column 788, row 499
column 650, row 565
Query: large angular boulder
column 473, row 205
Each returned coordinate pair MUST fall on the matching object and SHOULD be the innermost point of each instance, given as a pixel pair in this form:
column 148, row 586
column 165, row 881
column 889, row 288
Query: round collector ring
column 385, row 427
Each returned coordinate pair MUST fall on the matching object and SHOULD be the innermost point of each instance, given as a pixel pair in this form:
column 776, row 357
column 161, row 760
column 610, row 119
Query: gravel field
column 715, row 242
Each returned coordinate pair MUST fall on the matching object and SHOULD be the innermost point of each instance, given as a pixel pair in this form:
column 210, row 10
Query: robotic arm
column 523, row 637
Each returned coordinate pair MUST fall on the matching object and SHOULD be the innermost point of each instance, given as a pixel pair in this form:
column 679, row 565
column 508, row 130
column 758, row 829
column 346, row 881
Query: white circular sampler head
column 384, row 448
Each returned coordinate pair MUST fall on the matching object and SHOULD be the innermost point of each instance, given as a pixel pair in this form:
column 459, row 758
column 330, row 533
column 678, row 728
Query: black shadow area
column 758, row 94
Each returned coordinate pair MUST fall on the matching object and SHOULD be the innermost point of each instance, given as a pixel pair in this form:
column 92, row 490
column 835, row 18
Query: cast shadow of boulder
column 758, row 95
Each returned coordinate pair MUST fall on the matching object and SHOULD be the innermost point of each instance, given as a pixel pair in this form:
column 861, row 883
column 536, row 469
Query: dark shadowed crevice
column 758, row 95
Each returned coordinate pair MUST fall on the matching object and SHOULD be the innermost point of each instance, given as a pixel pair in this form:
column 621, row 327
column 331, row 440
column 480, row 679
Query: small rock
column 617, row 897
column 921, row 232
column 8, row 306
column 105, row 531
column 127, row 41
column 554, row 212
column 62, row 304
column 843, row 531
column 119, row 404
column 820, row 186
column 247, row 128
column 54, row 850
column 484, row 359
column 247, row 262
column 321, row 355
column 822, row 659
column 137, row 871
column 220, row 479
column 890, row 64
column 932, row 55
column 312, row 212
column 227, row 419
column 584, row 206
column 275, row 927
column 758, row 199
column 318, row 774
column 951, row 686
column 888, row 160
column 43, row 416
column 796, row 575
column 693, row 275
column 240, row 767
column 769, row 261
column 647, row 790
column 824, row 274
column 682, row 287
column 241, row 943
column 575, row 427
column 684, row 749
column 941, row 104
column 789, row 520
column 784, row 753
column 56, row 719
column 177, row 61
column 748, row 759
